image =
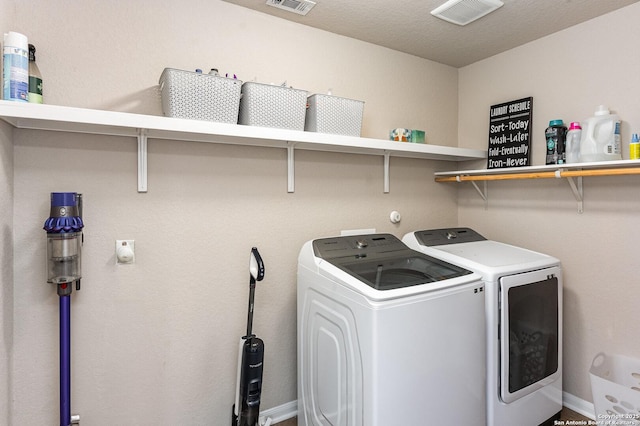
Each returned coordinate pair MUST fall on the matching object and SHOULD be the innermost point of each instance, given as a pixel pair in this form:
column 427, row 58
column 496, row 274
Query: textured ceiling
column 409, row 27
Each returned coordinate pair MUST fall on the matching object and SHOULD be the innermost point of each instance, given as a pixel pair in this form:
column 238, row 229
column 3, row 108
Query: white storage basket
column 199, row 96
column 332, row 114
column 615, row 385
column 267, row 105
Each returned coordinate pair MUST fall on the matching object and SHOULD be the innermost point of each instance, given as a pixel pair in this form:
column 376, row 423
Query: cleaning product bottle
column 634, row 147
column 555, row 135
column 35, row 78
column 573, row 142
column 601, row 137
column 15, row 70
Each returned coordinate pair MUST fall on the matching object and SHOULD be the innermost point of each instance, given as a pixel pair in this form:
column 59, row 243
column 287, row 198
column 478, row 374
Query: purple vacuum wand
column 64, row 250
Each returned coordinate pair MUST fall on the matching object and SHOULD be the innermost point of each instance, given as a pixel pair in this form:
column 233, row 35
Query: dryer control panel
column 440, row 237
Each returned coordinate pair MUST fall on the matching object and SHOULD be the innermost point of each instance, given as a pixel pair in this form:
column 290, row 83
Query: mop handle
column 256, row 273
column 250, row 315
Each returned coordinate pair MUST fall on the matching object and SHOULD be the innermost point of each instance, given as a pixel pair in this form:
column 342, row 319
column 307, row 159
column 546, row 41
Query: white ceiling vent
column 462, row 12
column 301, row 7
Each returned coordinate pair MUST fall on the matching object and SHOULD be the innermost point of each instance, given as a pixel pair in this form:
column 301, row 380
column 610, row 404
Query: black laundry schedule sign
column 510, row 134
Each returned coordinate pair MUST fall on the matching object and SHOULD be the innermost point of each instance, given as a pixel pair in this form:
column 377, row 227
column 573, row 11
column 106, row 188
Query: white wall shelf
column 145, row 127
column 566, row 171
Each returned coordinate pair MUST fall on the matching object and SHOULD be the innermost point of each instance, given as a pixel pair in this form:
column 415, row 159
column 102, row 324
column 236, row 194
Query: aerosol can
column 246, row 409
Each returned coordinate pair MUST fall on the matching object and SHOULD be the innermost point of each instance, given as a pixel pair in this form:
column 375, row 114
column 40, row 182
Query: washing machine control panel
column 356, row 245
column 383, row 262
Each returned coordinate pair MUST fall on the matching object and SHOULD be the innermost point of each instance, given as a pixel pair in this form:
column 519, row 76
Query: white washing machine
column 387, row 336
column 523, row 321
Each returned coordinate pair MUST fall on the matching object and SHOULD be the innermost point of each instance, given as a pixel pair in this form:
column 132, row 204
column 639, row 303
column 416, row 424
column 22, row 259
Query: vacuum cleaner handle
column 256, row 266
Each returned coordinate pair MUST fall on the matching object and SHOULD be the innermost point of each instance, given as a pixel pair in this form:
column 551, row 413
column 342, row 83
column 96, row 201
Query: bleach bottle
column 600, row 137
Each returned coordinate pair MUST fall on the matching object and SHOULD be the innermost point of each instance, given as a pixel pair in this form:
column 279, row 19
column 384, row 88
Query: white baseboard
column 578, row 405
column 290, row 409
column 281, row 412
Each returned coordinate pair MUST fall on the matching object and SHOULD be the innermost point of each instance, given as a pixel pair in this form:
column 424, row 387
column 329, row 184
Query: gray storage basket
column 199, row 96
column 332, row 114
column 267, row 105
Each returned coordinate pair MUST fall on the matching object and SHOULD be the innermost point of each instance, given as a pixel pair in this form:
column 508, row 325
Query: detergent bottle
column 600, row 137
column 556, row 136
column 573, row 142
column 634, row 147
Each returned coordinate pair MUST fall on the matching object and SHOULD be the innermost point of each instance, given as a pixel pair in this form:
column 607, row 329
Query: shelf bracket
column 142, row 160
column 387, row 154
column 576, row 188
column 482, row 192
column 290, row 167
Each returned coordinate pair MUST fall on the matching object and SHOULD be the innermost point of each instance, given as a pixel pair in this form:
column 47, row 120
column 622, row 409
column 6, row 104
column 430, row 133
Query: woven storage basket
column 615, row 385
column 331, row 114
column 272, row 106
column 199, row 96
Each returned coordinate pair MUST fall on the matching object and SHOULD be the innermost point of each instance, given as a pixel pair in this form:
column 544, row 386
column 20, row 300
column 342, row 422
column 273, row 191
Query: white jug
column 600, row 137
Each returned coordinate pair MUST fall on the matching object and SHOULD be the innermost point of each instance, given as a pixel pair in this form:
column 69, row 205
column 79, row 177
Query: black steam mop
column 246, row 410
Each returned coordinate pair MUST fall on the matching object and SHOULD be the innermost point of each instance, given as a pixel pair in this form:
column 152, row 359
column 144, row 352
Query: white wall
column 155, row 343
column 6, row 248
column 112, row 57
column 6, row 266
column 568, row 74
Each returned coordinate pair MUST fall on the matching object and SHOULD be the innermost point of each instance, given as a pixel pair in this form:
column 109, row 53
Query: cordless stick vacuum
column 64, row 255
column 246, row 410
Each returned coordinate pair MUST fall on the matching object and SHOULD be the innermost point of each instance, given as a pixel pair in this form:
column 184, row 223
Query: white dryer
column 523, row 322
column 387, row 336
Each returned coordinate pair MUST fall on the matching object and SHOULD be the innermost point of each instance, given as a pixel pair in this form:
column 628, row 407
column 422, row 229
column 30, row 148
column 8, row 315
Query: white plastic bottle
column 573, row 143
column 15, row 70
column 601, row 137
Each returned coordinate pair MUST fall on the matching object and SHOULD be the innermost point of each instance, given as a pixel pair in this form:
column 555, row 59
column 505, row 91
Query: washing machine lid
column 383, row 262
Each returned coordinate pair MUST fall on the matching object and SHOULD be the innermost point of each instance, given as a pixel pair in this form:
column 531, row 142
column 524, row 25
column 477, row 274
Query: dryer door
column 530, row 332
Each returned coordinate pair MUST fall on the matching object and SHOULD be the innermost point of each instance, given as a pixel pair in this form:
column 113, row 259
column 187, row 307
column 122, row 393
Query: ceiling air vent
column 462, row 12
column 301, row 7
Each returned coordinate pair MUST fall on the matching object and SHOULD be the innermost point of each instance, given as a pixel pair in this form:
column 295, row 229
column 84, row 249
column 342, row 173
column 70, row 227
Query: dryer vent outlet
column 301, row 7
